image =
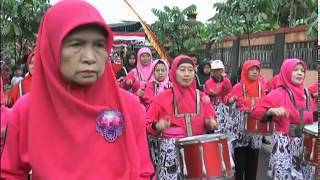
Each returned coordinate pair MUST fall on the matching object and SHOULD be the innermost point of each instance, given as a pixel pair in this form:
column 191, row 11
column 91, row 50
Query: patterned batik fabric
column 168, row 166
column 222, row 113
column 286, row 162
column 236, row 133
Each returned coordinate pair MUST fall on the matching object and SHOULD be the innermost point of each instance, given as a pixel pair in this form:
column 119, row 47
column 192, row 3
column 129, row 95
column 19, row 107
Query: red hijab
column 251, row 87
column 62, row 119
column 185, row 96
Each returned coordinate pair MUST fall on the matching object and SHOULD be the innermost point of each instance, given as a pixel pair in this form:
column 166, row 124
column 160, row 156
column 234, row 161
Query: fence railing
column 306, row 51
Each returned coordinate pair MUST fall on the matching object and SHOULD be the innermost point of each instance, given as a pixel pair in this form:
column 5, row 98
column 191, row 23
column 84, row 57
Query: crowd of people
column 83, row 117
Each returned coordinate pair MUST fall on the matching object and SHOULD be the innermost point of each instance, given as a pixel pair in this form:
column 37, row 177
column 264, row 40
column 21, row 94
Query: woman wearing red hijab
column 168, row 114
column 74, row 123
column 288, row 106
column 23, row 86
column 245, row 93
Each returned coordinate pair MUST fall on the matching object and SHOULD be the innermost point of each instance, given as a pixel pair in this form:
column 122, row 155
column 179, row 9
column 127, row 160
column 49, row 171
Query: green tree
column 175, row 31
column 20, row 20
column 242, row 17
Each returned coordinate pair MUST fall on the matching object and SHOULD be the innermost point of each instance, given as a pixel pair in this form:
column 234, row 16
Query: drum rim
column 315, row 133
column 194, row 140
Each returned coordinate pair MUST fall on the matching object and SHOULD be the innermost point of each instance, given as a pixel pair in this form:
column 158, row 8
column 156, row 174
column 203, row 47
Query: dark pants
column 246, row 163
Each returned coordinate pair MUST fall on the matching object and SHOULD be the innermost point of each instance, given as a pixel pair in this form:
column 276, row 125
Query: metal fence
column 224, row 54
column 306, row 51
column 264, row 53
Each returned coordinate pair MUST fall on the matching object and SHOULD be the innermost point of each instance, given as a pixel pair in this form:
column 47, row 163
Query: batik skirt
column 286, row 162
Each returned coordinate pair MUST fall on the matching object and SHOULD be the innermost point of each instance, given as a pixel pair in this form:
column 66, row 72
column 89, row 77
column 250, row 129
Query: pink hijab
column 280, row 98
column 165, row 83
column 185, row 96
column 285, row 80
column 62, row 119
column 145, row 71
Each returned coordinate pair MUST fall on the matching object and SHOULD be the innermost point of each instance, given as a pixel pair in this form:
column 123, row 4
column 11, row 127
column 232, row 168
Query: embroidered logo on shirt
column 110, row 124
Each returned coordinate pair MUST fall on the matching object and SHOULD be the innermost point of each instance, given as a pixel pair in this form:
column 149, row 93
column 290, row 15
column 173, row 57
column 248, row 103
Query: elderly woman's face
column 185, row 74
column 83, row 56
column 298, row 74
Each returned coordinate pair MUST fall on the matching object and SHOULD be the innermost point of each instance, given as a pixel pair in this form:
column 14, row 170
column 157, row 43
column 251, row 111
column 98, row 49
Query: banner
column 152, row 37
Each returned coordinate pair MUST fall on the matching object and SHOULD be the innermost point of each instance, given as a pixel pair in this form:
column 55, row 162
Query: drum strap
column 187, row 116
column 155, row 86
column 20, row 88
column 300, row 110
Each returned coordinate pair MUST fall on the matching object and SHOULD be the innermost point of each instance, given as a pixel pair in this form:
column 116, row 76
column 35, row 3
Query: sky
column 115, row 11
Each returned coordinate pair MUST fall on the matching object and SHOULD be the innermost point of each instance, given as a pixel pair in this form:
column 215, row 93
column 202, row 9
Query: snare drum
column 205, row 156
column 253, row 126
column 310, row 143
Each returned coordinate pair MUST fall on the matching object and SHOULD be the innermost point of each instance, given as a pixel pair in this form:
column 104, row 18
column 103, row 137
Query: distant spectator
column 18, row 72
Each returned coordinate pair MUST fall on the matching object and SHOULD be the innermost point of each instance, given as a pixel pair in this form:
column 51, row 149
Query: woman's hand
column 280, row 111
column 212, row 92
column 140, row 92
column 129, row 82
column 162, row 125
column 211, row 123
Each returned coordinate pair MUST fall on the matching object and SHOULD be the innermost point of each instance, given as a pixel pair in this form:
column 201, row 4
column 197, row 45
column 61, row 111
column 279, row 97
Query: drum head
column 312, row 129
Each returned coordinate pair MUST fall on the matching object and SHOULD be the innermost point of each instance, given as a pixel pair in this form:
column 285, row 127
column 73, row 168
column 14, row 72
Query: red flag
column 152, row 37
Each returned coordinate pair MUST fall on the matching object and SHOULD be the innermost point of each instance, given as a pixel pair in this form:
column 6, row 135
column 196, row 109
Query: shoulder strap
column 307, row 99
column 21, row 91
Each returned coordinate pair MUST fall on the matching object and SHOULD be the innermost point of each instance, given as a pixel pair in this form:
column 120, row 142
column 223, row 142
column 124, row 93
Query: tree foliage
column 174, row 30
column 238, row 17
column 20, row 20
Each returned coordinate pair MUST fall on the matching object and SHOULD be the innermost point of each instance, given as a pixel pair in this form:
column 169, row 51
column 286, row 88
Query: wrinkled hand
column 140, row 92
column 162, row 125
column 315, row 94
column 280, row 111
column 212, row 92
column 129, row 82
column 211, row 123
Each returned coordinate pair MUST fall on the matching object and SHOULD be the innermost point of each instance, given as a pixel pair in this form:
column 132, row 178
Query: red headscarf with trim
column 62, row 119
column 185, row 96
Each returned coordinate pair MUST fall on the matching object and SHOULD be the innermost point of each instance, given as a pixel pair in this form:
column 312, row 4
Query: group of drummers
column 217, row 133
column 76, row 122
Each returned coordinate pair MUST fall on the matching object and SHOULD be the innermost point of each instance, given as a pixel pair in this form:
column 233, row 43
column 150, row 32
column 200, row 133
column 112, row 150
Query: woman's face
column 145, row 59
column 83, row 56
column 30, row 66
column 118, row 60
column 253, row 73
column 298, row 74
column 206, row 69
column 132, row 59
column 160, row 72
column 185, row 74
